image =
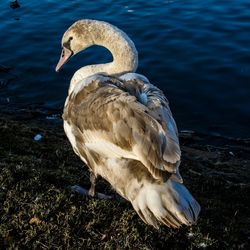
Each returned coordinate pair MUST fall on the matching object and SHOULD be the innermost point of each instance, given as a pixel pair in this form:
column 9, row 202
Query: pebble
column 37, row 137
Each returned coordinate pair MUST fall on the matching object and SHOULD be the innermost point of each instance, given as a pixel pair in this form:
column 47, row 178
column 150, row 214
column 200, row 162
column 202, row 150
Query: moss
column 39, row 211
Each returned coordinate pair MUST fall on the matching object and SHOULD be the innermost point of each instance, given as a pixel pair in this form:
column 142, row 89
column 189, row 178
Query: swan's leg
column 92, row 178
column 91, row 192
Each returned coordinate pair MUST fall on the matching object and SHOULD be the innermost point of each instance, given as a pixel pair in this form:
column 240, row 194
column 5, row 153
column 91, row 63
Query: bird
column 122, row 128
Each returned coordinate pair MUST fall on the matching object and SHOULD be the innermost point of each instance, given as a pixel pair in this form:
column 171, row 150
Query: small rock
column 34, row 220
column 37, row 137
column 103, row 236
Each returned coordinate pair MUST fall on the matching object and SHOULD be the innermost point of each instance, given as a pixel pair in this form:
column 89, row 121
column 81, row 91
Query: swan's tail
column 169, row 203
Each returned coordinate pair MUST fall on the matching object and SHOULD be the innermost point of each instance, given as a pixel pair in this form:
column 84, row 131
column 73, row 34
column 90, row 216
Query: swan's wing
column 158, row 107
column 114, row 124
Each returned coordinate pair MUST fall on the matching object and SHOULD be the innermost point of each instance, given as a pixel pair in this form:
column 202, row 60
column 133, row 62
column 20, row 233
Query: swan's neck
column 125, row 58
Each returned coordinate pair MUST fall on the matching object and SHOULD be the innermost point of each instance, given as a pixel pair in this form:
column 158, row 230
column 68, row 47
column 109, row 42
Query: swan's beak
column 65, row 55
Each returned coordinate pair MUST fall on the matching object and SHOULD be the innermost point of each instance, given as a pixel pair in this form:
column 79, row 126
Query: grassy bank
column 39, row 211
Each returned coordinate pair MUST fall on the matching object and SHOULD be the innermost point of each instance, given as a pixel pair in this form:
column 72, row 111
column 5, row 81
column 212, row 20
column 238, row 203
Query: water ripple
column 198, row 52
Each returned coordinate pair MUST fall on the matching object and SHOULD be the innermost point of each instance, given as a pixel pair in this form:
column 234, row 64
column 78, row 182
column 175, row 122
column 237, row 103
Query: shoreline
column 40, row 211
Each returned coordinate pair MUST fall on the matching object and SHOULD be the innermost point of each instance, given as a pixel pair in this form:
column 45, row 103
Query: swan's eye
column 68, row 43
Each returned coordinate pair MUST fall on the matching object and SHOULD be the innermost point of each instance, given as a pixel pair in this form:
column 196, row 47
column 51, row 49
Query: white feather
column 96, row 142
column 133, row 76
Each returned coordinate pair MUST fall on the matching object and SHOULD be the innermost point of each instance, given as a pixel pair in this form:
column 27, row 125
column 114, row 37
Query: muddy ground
column 39, row 211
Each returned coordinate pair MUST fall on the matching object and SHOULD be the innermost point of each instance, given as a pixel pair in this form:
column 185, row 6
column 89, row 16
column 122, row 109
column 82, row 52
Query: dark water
column 197, row 52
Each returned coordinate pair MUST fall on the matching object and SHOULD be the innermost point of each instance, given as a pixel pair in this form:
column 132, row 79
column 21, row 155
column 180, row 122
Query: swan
column 121, row 127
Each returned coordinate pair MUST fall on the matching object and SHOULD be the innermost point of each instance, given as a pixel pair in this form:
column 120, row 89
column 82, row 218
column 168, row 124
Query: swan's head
column 76, row 38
